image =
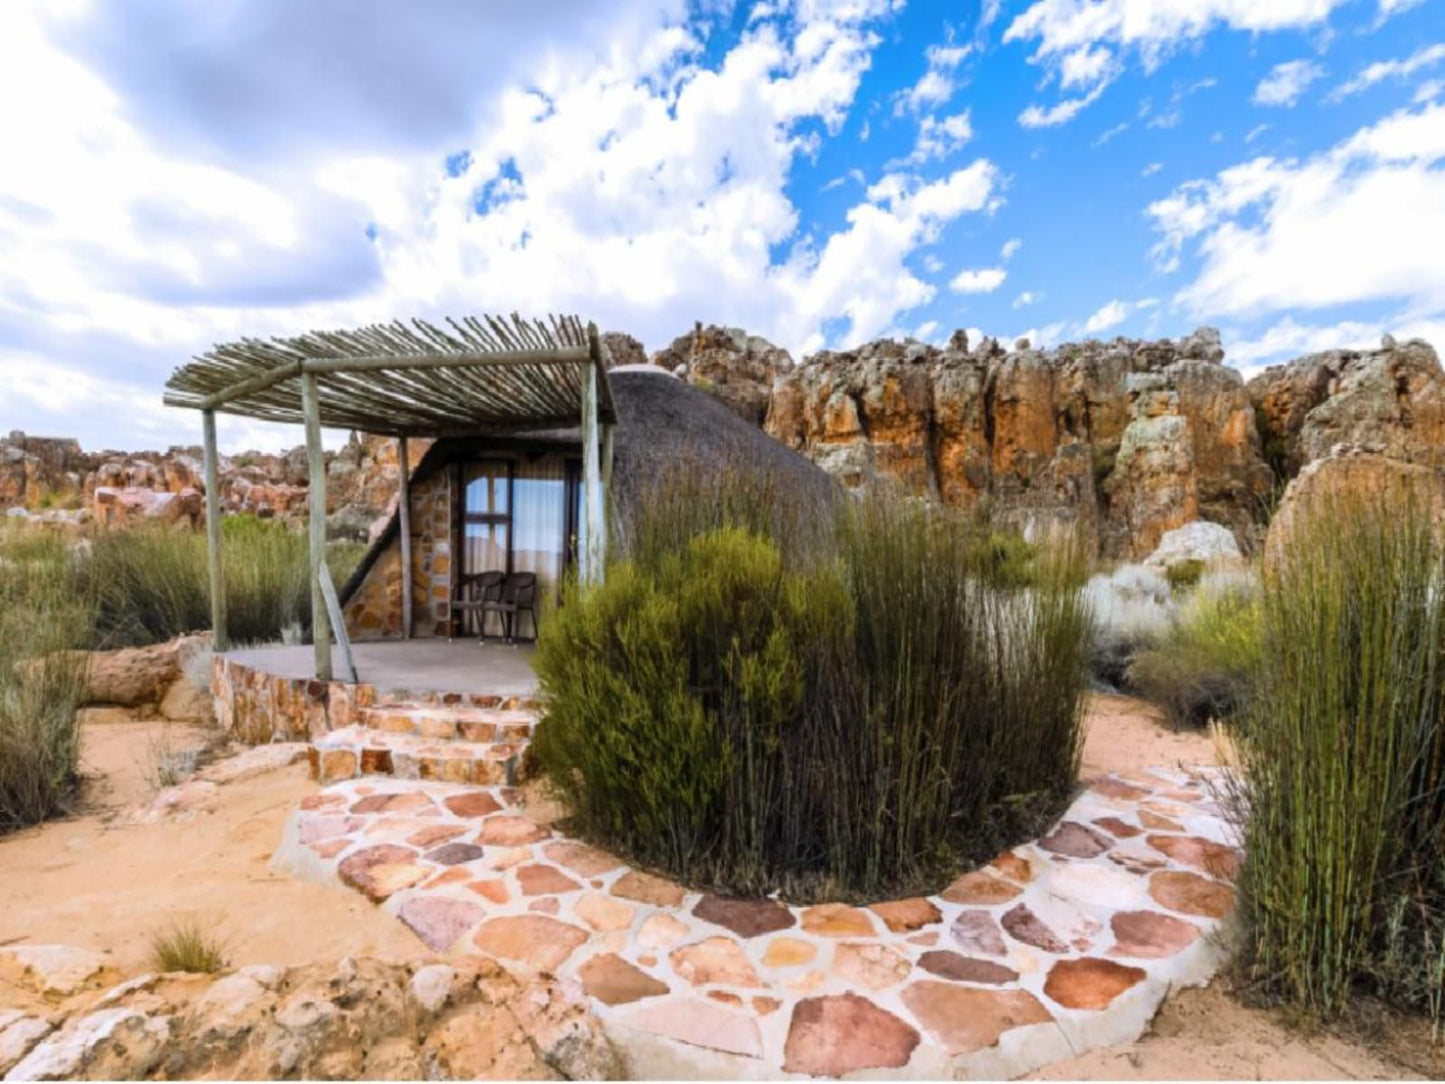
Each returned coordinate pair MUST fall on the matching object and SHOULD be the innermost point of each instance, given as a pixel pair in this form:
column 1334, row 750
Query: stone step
column 356, row 751
column 447, row 722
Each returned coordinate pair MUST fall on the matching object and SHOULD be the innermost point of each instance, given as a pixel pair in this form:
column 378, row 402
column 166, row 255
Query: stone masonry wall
column 374, row 610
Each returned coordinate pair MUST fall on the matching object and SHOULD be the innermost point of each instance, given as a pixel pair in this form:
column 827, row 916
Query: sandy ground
column 1123, row 732
column 95, row 882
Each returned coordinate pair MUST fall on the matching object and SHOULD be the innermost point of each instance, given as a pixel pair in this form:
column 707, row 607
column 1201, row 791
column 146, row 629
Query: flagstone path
column 1056, row 947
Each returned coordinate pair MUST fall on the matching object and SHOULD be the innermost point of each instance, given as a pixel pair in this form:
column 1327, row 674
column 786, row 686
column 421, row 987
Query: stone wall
column 374, row 610
column 256, row 707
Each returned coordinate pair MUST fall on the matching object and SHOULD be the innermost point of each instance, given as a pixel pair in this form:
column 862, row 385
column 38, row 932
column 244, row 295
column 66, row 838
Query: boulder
column 132, row 676
column 1352, row 473
column 360, row 1019
column 1210, row 544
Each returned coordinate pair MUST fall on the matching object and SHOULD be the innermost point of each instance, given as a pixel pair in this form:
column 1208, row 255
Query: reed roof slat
column 493, row 373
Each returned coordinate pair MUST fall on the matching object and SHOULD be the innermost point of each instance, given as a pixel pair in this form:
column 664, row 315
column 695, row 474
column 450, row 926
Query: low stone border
column 256, row 706
column 1058, row 946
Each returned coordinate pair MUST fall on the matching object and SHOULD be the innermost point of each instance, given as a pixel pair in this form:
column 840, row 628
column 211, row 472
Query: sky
column 820, row 172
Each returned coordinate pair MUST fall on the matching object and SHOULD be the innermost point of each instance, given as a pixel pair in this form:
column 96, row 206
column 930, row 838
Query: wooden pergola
column 487, row 375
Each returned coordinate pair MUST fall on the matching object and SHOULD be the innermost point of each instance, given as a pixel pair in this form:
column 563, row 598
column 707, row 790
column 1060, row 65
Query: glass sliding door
column 520, row 516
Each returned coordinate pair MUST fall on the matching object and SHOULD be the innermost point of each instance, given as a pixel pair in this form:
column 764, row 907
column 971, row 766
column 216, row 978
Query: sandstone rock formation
column 1125, row 439
column 1391, row 399
column 468, row 1019
column 54, row 481
column 736, row 367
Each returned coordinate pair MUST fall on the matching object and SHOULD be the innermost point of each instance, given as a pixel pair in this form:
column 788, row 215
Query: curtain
column 539, row 521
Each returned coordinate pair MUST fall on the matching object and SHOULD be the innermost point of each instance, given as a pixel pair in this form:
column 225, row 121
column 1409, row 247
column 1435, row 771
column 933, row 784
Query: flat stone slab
column 1052, row 948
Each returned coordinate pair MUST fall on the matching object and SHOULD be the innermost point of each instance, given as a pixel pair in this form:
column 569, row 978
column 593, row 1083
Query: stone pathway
column 1056, row 947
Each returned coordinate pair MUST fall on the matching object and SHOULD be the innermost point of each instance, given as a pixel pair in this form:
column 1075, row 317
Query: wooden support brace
column 316, row 525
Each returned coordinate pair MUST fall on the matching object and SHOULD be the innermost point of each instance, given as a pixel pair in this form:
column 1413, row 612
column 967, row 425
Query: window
column 520, row 516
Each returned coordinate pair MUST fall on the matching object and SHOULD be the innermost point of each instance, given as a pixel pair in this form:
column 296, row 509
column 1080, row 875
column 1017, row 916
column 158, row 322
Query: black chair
column 472, row 594
column 518, row 596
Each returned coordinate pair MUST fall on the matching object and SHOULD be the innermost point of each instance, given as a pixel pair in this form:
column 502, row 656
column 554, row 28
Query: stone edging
column 1058, row 946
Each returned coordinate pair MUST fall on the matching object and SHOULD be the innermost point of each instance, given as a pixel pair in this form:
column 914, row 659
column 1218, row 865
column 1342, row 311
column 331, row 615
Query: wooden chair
column 518, row 596
column 472, row 594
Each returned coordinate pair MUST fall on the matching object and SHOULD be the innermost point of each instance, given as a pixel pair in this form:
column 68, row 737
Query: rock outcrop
column 1391, row 400
column 53, row 481
column 1125, row 439
column 363, row 1019
column 736, row 367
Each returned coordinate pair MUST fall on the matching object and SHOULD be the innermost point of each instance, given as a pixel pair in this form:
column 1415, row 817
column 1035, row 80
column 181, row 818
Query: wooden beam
column 251, row 384
column 316, row 525
column 404, row 514
column 561, row 355
column 607, row 453
column 594, row 551
column 220, row 638
column 338, row 622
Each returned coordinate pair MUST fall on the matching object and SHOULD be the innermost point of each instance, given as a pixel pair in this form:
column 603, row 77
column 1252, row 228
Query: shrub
column 861, row 717
column 1203, row 667
column 1184, row 574
column 1342, row 801
column 184, row 946
column 152, row 583
column 42, row 610
column 1133, row 610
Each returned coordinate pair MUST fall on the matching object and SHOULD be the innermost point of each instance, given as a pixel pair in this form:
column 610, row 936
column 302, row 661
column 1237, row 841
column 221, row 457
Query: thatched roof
column 663, row 423
column 491, row 373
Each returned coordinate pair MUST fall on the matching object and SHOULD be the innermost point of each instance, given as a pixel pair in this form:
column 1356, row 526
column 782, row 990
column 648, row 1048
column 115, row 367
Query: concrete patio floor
column 433, row 664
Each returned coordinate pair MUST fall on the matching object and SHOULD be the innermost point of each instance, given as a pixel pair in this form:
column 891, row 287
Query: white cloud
column 1286, row 83
column 1151, row 169
column 1027, row 298
column 639, row 184
column 1011, row 246
column 1255, row 132
column 1344, row 226
column 1111, row 315
column 1110, row 133
column 983, row 280
column 1084, row 41
column 940, row 137
column 1036, row 116
column 1381, row 70
column 937, row 84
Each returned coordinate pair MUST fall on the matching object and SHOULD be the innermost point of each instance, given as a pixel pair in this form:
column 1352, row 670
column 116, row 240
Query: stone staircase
column 453, row 743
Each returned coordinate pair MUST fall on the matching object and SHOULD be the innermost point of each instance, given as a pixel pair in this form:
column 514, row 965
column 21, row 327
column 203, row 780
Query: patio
column 432, row 665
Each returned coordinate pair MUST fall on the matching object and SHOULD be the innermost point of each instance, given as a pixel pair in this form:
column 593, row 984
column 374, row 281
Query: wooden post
column 220, row 640
column 316, row 524
column 607, row 433
column 404, row 516
column 593, row 552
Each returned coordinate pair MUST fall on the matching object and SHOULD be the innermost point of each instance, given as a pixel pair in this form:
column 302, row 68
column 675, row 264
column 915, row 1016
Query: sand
column 93, row 881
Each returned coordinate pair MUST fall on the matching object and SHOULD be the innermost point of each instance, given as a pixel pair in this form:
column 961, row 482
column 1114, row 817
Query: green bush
column 42, row 609
column 1203, row 668
column 1184, row 574
column 1342, row 800
column 866, row 716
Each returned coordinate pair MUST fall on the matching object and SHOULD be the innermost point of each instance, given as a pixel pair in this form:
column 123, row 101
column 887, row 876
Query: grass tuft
column 184, row 946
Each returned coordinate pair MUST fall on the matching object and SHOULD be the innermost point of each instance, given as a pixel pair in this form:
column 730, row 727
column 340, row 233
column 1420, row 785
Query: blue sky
column 822, row 172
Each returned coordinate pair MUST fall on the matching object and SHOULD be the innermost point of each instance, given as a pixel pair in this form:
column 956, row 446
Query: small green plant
column 43, row 610
column 185, row 946
column 1183, row 575
column 1202, row 669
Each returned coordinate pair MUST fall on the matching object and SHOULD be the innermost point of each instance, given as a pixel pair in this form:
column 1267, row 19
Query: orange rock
column 838, row 920
column 604, row 912
column 1090, row 983
column 845, row 1033
column 613, row 981
column 963, row 1019
column 789, row 952
column 714, row 960
column 901, row 916
column 1190, row 894
column 979, row 887
column 875, row 967
column 645, row 888
column 535, row 940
